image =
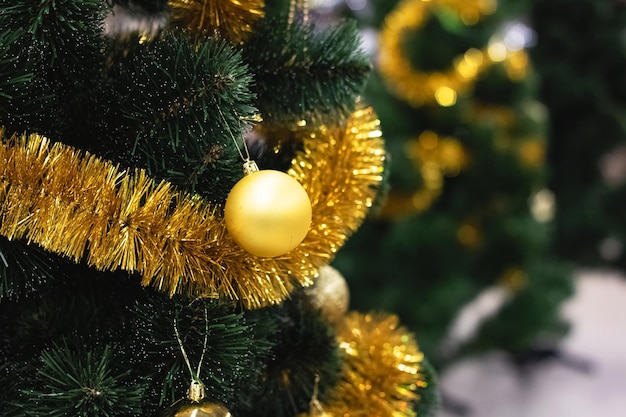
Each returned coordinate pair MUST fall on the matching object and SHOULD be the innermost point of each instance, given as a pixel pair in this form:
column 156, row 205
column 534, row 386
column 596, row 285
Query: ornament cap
column 196, row 391
column 249, row 167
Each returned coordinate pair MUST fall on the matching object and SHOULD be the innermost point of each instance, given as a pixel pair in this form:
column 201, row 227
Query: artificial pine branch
column 94, row 304
column 233, row 359
column 302, row 73
column 73, row 380
column 22, row 94
column 62, row 28
column 23, row 268
column 12, row 78
column 9, row 387
column 304, row 346
column 60, row 43
column 184, row 99
column 430, row 397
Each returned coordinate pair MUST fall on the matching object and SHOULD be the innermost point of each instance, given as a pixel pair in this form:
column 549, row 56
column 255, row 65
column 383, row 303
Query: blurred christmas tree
column 580, row 56
column 125, row 288
column 465, row 227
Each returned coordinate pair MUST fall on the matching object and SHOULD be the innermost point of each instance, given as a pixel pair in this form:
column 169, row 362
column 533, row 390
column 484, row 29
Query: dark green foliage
column 60, row 346
column 534, row 310
column 306, row 74
column 233, row 360
column 61, row 27
column 56, row 45
column 15, row 84
column 23, row 268
column 580, row 57
column 9, row 388
column 93, row 304
column 429, row 401
column 183, row 99
column 71, row 380
column 304, row 347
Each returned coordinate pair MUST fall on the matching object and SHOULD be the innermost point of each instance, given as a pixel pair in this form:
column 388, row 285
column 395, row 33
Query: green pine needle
column 23, row 268
column 78, row 382
column 234, row 355
column 59, row 24
column 185, row 102
column 305, row 346
column 429, row 397
column 306, row 74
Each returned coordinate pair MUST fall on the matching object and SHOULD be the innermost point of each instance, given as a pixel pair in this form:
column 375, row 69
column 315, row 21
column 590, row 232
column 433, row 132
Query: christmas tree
column 466, row 223
column 141, row 272
column 580, row 58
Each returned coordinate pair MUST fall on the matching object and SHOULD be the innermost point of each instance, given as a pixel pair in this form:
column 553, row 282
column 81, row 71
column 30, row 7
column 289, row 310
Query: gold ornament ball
column 268, row 213
column 330, row 293
column 193, row 409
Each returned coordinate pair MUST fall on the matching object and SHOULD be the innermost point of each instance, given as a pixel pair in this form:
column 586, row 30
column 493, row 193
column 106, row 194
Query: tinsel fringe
column 382, row 372
column 233, row 19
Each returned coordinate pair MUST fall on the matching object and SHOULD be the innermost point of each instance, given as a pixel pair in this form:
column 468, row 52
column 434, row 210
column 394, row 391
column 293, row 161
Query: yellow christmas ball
column 202, row 409
column 268, row 213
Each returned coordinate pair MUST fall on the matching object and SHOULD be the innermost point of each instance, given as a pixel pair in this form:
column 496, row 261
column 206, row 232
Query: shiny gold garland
column 77, row 205
column 232, row 19
column 530, row 149
column 420, row 88
column 435, row 157
column 382, row 373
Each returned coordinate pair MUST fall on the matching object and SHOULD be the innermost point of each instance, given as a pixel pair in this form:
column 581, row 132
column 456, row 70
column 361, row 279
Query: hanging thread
column 249, row 166
column 196, row 388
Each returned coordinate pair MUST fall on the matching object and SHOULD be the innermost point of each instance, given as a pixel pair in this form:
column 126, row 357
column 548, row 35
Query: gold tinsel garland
column 420, row 88
column 435, row 157
column 530, row 148
column 75, row 204
column 232, row 19
column 382, row 372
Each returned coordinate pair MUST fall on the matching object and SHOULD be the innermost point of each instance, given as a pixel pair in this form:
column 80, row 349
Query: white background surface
column 597, row 313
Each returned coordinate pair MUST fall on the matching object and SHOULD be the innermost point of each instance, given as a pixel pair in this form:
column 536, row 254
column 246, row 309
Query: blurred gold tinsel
column 77, row 205
column 434, row 157
column 232, row 19
column 442, row 88
column 382, row 373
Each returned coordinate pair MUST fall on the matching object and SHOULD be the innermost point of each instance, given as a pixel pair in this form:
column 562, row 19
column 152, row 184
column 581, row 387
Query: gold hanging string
column 249, row 166
column 196, row 387
column 247, row 156
column 315, row 407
